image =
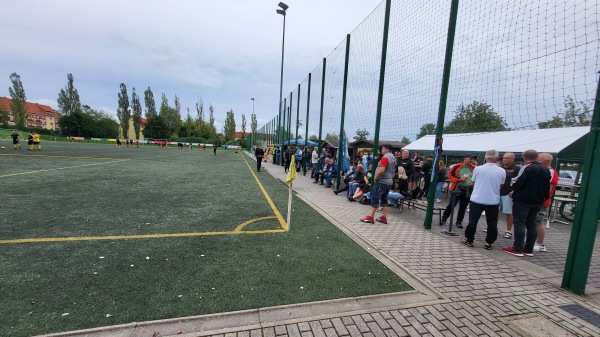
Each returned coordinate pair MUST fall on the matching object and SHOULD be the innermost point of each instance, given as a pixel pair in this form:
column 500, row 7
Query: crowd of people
column 522, row 194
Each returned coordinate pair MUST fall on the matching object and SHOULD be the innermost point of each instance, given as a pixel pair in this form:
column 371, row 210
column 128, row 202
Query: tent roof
column 566, row 144
column 301, row 142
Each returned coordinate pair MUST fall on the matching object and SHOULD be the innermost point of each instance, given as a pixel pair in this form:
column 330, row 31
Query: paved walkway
column 460, row 291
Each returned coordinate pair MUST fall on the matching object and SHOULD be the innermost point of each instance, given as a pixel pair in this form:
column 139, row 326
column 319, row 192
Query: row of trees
column 77, row 119
column 166, row 123
column 481, row 117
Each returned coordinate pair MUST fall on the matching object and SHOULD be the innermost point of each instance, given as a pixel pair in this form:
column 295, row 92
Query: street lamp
column 253, row 119
column 282, row 11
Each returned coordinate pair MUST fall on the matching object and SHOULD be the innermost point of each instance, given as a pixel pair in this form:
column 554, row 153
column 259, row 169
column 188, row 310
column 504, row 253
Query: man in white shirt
column 314, row 161
column 487, row 180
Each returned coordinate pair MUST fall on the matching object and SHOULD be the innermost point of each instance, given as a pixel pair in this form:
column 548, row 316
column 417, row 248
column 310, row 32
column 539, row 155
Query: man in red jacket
column 546, row 160
column 460, row 180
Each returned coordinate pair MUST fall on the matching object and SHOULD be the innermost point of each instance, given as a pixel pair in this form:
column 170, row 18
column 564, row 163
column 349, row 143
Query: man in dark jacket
column 259, row 153
column 530, row 189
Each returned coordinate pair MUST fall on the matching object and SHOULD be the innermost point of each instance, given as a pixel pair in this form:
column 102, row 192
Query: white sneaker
column 539, row 248
column 438, row 200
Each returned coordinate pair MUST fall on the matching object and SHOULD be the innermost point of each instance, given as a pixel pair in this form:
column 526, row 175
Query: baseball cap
column 470, row 155
column 429, row 156
column 387, row 146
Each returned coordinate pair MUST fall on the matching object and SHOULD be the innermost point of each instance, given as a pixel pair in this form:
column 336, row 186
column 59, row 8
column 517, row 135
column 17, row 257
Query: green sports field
column 94, row 235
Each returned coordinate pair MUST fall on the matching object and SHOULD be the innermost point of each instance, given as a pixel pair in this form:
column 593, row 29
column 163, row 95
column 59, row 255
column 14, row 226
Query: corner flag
column 292, row 172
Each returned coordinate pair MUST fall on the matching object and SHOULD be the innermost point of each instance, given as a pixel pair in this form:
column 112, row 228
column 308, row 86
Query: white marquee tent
column 565, row 144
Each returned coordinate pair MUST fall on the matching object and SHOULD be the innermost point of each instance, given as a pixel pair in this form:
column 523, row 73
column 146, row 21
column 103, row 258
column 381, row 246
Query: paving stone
column 317, row 329
column 375, row 329
column 353, row 330
column 268, row 332
column 330, row 332
column 339, row 326
column 304, row 326
column 360, row 324
column 383, row 324
column 293, row 331
column 280, row 330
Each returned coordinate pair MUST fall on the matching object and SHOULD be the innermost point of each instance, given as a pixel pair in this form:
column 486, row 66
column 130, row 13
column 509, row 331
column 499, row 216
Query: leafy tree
column 211, row 119
column 188, row 125
column 149, row 102
column 136, row 110
column 426, row 129
column 253, row 127
column 243, row 127
column 88, row 122
column 176, row 117
column 123, row 111
column 200, row 110
column 573, row 115
column 4, row 118
column 229, row 127
column 163, row 111
column 68, row 98
column 156, row 128
column 405, row 140
column 476, row 117
column 332, row 137
column 313, row 138
column 18, row 99
column 361, row 134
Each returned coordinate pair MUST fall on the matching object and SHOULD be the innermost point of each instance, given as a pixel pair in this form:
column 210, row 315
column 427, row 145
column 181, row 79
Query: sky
column 222, row 52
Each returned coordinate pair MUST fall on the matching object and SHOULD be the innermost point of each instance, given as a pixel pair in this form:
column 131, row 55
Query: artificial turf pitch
column 94, row 235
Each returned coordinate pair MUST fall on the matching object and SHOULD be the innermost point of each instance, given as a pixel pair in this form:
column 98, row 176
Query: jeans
column 352, row 188
column 524, row 226
column 379, row 195
column 328, row 177
column 394, row 198
column 438, row 190
column 314, row 170
column 491, row 217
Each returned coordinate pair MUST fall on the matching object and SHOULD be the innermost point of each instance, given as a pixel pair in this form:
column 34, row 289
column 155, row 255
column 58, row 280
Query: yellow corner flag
column 292, row 172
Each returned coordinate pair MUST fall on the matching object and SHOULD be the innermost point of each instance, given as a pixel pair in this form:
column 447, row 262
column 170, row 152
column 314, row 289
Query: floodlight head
column 280, row 11
column 252, row 98
column 283, row 6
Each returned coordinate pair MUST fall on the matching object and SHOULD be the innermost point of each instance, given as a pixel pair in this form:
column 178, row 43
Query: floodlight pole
column 252, row 115
column 282, row 11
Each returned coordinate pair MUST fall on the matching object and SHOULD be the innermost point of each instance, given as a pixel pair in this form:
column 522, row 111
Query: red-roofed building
column 40, row 116
column 239, row 134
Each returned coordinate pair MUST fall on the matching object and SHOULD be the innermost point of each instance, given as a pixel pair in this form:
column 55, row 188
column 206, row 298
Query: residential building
column 39, row 115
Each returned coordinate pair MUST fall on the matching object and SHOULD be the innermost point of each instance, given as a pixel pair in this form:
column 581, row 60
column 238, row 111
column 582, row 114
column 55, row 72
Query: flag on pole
column 346, row 155
column 292, row 171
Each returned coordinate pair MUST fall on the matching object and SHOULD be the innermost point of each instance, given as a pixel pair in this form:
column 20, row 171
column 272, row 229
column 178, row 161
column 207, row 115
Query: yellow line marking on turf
column 49, row 156
column 275, row 210
column 60, row 168
column 140, row 236
column 239, row 228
